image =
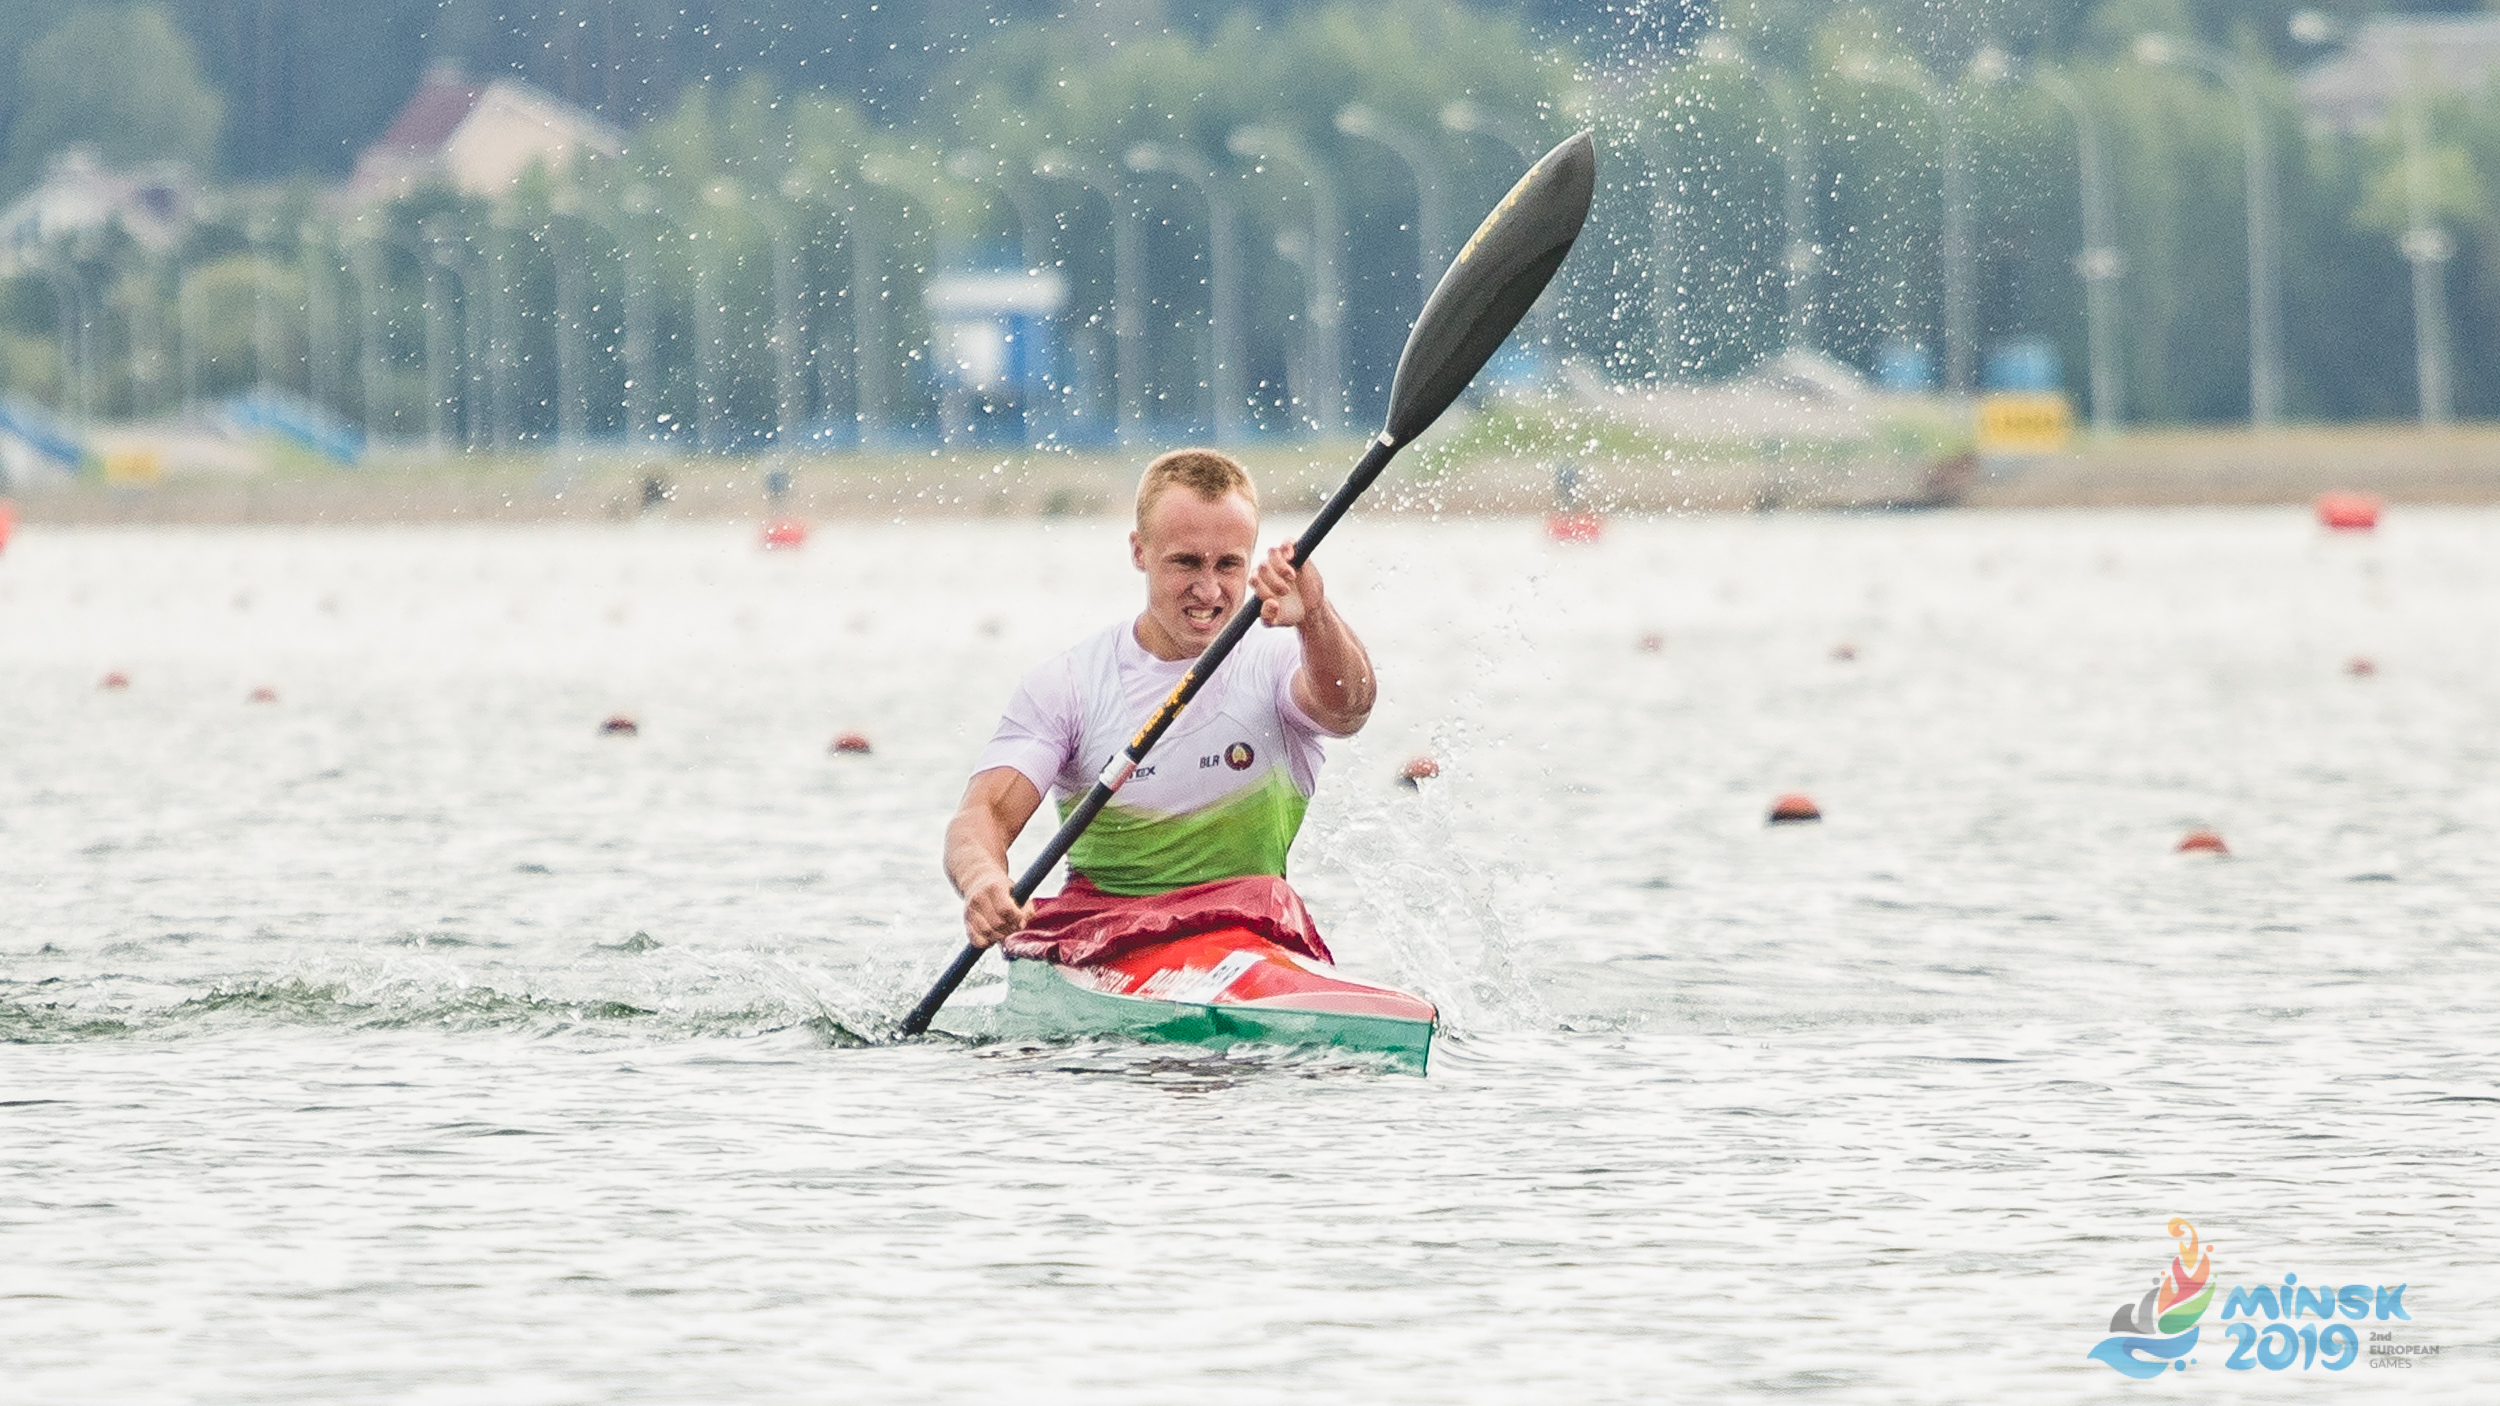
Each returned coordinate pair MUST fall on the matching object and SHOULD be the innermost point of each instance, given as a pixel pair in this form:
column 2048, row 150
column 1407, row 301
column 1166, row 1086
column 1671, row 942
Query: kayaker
column 1203, row 827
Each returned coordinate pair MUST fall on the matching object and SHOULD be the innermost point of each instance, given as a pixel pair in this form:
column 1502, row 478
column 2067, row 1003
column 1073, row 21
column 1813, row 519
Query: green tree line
column 756, row 258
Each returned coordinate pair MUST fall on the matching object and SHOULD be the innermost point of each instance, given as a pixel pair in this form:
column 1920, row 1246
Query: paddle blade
column 1497, row 276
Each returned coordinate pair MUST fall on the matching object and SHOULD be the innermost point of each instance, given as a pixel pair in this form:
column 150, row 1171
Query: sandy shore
column 2154, row 468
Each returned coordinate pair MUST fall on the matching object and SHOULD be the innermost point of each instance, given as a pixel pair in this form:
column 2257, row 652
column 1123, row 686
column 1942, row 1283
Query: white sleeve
column 1039, row 733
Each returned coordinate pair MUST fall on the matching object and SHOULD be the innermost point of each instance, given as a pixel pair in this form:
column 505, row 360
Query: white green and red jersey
column 1220, row 796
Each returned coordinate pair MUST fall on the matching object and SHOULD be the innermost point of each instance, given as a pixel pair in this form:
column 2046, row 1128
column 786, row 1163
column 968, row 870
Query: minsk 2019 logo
column 2162, row 1326
column 2279, row 1327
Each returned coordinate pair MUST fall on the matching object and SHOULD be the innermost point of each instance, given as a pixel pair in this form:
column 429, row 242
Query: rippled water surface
column 404, row 1038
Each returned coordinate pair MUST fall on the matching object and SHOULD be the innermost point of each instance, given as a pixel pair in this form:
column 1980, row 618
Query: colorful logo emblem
column 2158, row 1331
column 1239, row 756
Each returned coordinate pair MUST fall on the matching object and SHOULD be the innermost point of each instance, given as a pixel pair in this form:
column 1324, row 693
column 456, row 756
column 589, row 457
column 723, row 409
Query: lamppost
column 256, row 235
column 801, row 191
column 1325, row 307
column 876, row 343
column 1414, row 151
column 442, row 260
column 2265, row 336
column 570, row 412
column 1032, row 238
column 1128, row 310
column 320, row 362
column 1467, row 119
column 2425, row 245
column 2100, row 262
column 2428, row 248
column 69, row 295
column 1960, row 319
column 366, row 257
column 1798, row 257
column 1225, row 314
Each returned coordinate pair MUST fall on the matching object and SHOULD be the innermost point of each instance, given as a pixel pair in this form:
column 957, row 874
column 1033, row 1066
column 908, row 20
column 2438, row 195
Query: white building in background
column 476, row 138
column 78, row 195
column 2356, row 89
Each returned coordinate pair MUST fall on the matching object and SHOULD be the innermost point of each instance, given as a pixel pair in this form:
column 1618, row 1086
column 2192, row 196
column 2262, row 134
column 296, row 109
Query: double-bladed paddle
column 1488, row 289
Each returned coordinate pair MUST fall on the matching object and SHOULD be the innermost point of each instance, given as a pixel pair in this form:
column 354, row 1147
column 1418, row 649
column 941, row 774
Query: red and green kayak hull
column 1224, row 988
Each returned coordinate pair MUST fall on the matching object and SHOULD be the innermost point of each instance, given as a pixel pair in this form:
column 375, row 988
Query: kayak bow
column 1219, row 988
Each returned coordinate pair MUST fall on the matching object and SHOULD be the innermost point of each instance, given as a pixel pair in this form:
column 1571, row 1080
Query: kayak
column 1222, row 988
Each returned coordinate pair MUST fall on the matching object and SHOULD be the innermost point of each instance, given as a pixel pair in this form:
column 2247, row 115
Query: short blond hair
column 1204, row 472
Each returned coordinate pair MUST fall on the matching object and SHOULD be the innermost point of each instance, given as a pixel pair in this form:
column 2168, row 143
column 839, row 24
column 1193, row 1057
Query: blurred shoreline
column 2154, row 468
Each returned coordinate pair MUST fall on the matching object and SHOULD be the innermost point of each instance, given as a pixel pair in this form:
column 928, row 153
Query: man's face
column 1196, row 556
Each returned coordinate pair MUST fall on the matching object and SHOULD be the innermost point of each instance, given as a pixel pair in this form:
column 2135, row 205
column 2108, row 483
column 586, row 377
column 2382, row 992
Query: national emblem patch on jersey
column 1239, row 756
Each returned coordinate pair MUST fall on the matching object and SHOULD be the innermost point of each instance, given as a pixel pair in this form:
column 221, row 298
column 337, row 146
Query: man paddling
column 1200, row 832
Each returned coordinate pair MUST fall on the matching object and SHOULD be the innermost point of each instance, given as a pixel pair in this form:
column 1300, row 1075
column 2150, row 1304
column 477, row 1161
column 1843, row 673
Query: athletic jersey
column 1220, row 796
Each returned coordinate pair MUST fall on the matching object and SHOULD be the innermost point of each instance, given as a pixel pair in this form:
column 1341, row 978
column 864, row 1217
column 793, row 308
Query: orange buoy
column 1418, row 770
column 262, row 694
column 1652, row 642
column 2349, row 512
column 851, row 744
column 784, row 532
column 8, row 522
column 1844, row 651
column 115, row 679
column 1794, row 809
column 2361, row 666
column 2202, row 842
column 1574, row 527
column 619, row 725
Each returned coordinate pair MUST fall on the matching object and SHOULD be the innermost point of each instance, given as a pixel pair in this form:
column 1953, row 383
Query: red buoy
column 2361, row 666
column 619, row 725
column 115, row 679
column 2349, row 512
column 1652, row 642
column 1794, row 809
column 851, row 744
column 1844, row 651
column 262, row 694
column 1574, row 527
column 8, row 522
column 2202, row 842
column 1418, row 769
column 784, row 532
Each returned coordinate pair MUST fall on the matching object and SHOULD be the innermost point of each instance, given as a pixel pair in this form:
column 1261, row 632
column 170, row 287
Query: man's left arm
column 1334, row 687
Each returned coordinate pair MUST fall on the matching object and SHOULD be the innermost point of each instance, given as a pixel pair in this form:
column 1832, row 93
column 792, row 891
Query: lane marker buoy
column 2361, row 666
column 2349, row 512
column 1794, row 808
column 1575, row 527
column 2202, row 842
column 1844, row 651
column 851, row 744
column 1418, row 770
column 784, row 532
column 619, row 725
column 115, row 679
column 262, row 694
column 1653, row 642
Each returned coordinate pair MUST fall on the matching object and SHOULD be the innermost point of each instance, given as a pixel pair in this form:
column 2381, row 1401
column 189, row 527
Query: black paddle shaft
column 1098, row 795
column 1471, row 311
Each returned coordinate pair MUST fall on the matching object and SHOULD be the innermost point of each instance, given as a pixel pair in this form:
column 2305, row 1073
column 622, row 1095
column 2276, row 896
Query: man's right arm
column 996, row 806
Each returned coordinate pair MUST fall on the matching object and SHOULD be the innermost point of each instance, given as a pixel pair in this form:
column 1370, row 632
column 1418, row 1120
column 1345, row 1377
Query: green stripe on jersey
column 1130, row 851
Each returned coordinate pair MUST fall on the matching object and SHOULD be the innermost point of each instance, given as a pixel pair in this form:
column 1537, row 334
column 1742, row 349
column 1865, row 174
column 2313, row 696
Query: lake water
column 405, row 1039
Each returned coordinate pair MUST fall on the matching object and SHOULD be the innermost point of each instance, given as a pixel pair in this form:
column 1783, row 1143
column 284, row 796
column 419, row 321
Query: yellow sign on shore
column 132, row 466
column 2025, row 422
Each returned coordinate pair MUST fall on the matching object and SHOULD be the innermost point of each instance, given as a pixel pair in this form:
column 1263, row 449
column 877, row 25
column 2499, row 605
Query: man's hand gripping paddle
column 1497, row 276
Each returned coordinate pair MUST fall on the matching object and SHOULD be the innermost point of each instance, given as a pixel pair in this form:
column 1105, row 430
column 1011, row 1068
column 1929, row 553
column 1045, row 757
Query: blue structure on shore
column 997, row 355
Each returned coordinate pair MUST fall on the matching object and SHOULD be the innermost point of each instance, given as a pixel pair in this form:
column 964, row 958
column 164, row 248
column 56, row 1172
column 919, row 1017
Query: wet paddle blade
column 1491, row 285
